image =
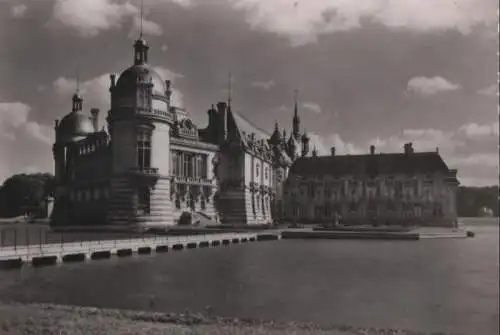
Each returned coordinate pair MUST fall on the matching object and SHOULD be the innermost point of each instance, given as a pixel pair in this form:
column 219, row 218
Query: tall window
column 187, row 164
column 204, row 166
column 173, row 164
column 144, row 201
column 143, row 149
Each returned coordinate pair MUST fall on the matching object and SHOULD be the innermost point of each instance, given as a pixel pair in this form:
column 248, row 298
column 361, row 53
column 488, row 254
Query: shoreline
column 42, row 318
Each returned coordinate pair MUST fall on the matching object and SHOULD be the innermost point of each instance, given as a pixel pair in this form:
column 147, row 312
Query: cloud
column 491, row 91
column 177, row 96
column 324, row 144
column 14, row 121
column 426, row 86
column 266, row 85
column 89, row 17
column 312, row 106
column 303, row 21
column 18, row 11
column 148, row 27
column 471, row 148
column 484, row 159
column 474, row 130
column 164, row 48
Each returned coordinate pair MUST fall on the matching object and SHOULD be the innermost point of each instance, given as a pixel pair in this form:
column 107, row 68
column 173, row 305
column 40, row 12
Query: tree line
column 470, row 200
column 26, row 193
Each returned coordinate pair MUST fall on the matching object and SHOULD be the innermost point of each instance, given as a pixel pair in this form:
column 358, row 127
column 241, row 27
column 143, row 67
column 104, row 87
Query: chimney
column 408, row 148
column 222, row 111
column 56, row 123
column 94, row 112
column 112, row 77
column 332, row 151
column 372, row 149
column 315, row 152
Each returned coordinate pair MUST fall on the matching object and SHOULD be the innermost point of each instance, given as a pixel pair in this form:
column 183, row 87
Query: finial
column 295, row 96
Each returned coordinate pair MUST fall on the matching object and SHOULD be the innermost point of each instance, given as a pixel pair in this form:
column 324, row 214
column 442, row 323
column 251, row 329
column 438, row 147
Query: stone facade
column 400, row 188
column 153, row 163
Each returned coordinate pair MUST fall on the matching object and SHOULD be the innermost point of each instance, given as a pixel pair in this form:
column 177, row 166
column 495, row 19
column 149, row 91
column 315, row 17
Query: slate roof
column 248, row 127
column 359, row 165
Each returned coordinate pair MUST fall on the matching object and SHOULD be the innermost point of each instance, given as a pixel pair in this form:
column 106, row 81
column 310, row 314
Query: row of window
column 89, row 194
column 257, row 171
column 89, row 148
column 331, row 210
column 189, row 164
column 312, row 192
column 260, row 203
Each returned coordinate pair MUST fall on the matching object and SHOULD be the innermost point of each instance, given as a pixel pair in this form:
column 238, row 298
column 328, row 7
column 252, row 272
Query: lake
column 446, row 285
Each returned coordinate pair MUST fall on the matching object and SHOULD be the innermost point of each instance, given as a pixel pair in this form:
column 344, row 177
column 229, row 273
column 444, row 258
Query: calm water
column 429, row 285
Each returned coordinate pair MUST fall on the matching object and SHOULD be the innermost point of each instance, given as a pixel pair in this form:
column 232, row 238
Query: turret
column 296, row 120
column 292, row 150
column 94, row 112
column 141, row 48
column 168, row 91
column 275, row 139
column 305, row 144
column 222, row 113
column 315, row 152
column 77, row 102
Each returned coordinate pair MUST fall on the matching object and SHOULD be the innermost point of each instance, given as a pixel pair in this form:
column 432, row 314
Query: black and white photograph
column 249, row 167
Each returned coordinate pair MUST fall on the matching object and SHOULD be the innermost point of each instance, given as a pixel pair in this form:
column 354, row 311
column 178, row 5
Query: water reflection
column 432, row 285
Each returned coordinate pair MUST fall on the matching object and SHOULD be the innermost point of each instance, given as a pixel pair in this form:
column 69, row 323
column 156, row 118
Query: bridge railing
column 27, row 236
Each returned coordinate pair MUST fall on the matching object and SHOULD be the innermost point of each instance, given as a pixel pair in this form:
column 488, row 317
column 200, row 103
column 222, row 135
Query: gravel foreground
column 16, row 318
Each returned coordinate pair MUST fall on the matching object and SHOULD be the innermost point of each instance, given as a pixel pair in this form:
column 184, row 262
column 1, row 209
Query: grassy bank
column 55, row 319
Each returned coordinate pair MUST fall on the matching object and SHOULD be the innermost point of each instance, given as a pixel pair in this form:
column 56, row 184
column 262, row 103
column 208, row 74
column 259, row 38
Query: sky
column 381, row 72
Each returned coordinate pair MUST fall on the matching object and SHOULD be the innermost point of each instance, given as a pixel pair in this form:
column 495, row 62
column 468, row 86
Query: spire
column 296, row 120
column 229, row 90
column 77, row 81
column 77, row 99
column 141, row 46
column 142, row 14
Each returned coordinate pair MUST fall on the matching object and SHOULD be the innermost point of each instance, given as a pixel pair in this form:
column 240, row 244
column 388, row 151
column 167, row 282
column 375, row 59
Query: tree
column 471, row 199
column 25, row 194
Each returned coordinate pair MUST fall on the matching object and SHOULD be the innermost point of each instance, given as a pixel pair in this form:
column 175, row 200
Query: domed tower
column 73, row 127
column 139, row 123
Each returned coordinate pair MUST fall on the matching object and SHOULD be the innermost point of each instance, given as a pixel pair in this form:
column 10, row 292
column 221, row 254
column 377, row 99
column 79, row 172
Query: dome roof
column 141, row 72
column 75, row 124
